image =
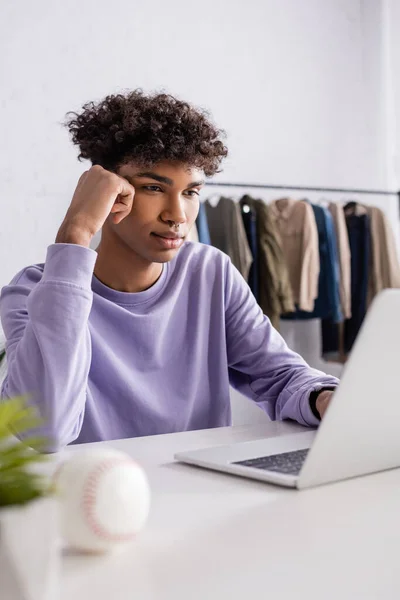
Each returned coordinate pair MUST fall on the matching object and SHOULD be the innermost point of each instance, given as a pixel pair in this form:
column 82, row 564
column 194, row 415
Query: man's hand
column 322, row 401
column 98, row 193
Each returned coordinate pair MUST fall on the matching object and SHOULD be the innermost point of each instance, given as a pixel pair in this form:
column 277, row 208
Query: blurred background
column 307, row 92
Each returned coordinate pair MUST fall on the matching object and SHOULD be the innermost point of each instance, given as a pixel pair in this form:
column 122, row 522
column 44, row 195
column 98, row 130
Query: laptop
column 360, row 432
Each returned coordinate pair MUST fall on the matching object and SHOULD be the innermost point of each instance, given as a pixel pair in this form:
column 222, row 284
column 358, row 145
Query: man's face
column 165, row 207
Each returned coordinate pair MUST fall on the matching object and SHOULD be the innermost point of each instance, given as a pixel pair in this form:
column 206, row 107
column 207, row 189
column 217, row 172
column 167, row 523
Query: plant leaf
column 19, row 483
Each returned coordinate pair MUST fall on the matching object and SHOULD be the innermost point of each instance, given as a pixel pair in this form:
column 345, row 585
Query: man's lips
column 168, row 241
column 169, row 235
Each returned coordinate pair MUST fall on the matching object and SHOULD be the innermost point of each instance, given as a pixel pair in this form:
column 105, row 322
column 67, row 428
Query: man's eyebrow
column 151, row 175
column 162, row 179
column 196, row 183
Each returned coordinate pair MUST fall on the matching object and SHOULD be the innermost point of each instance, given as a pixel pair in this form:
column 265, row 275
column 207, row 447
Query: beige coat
column 299, row 236
column 344, row 256
column 385, row 269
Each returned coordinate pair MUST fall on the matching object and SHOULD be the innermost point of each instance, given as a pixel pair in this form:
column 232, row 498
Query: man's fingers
column 122, row 204
column 118, row 207
column 126, row 194
column 126, row 189
column 120, row 216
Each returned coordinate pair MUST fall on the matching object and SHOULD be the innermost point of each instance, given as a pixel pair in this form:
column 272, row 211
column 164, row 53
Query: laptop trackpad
column 224, row 455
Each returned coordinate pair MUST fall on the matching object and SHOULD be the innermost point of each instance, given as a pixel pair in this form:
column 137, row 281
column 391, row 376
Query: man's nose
column 175, row 211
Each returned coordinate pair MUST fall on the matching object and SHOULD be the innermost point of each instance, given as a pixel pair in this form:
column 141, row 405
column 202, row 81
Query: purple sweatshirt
column 102, row 364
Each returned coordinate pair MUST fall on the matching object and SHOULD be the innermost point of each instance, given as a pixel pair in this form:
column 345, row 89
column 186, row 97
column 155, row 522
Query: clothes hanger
column 213, row 199
column 351, row 204
column 244, row 202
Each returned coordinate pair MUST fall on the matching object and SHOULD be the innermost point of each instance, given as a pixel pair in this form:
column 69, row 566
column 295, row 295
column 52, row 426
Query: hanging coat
column 249, row 217
column 228, row 234
column 275, row 291
column 384, row 263
column 327, row 304
column 343, row 248
column 299, row 236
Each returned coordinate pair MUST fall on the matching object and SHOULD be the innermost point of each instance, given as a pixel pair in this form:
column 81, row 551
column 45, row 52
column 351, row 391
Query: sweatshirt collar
column 128, row 298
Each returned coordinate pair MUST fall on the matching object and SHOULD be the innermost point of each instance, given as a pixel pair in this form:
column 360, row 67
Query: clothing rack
column 307, row 189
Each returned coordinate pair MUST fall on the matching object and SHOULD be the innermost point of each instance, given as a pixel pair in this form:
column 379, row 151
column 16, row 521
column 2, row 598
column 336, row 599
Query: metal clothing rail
column 308, row 189
column 305, row 188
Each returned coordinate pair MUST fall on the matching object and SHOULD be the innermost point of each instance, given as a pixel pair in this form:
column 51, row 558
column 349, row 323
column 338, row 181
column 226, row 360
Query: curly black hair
column 146, row 129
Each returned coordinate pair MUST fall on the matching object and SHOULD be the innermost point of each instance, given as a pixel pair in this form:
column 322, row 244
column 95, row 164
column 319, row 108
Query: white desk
column 214, row 536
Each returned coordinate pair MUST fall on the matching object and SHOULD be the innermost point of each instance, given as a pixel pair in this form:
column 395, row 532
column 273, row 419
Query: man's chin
column 164, row 256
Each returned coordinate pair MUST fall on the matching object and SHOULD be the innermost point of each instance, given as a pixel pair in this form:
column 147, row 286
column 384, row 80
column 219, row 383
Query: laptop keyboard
column 289, row 463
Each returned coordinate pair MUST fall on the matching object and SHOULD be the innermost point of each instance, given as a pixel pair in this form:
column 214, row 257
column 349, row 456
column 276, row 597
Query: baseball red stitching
column 89, row 501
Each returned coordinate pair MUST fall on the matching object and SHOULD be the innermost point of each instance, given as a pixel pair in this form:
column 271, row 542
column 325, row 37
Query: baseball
column 105, row 499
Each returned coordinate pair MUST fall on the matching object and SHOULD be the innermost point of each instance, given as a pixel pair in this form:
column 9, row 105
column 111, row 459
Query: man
column 145, row 335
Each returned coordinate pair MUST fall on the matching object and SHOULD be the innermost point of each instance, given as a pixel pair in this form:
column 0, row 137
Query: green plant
column 20, row 480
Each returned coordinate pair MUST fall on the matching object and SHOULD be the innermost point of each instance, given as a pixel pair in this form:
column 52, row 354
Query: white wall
column 391, row 12
column 297, row 86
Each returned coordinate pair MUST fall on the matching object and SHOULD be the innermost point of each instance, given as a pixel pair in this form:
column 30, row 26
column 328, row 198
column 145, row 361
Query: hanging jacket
column 202, row 226
column 228, row 234
column 275, row 291
column 358, row 227
column 299, row 236
column 249, row 217
column 327, row 304
column 384, row 263
column 343, row 249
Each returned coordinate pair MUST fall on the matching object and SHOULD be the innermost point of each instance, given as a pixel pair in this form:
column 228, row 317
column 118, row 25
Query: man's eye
column 152, row 188
column 156, row 188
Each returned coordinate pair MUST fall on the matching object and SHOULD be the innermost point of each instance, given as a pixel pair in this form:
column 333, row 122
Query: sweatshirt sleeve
column 261, row 366
column 48, row 348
